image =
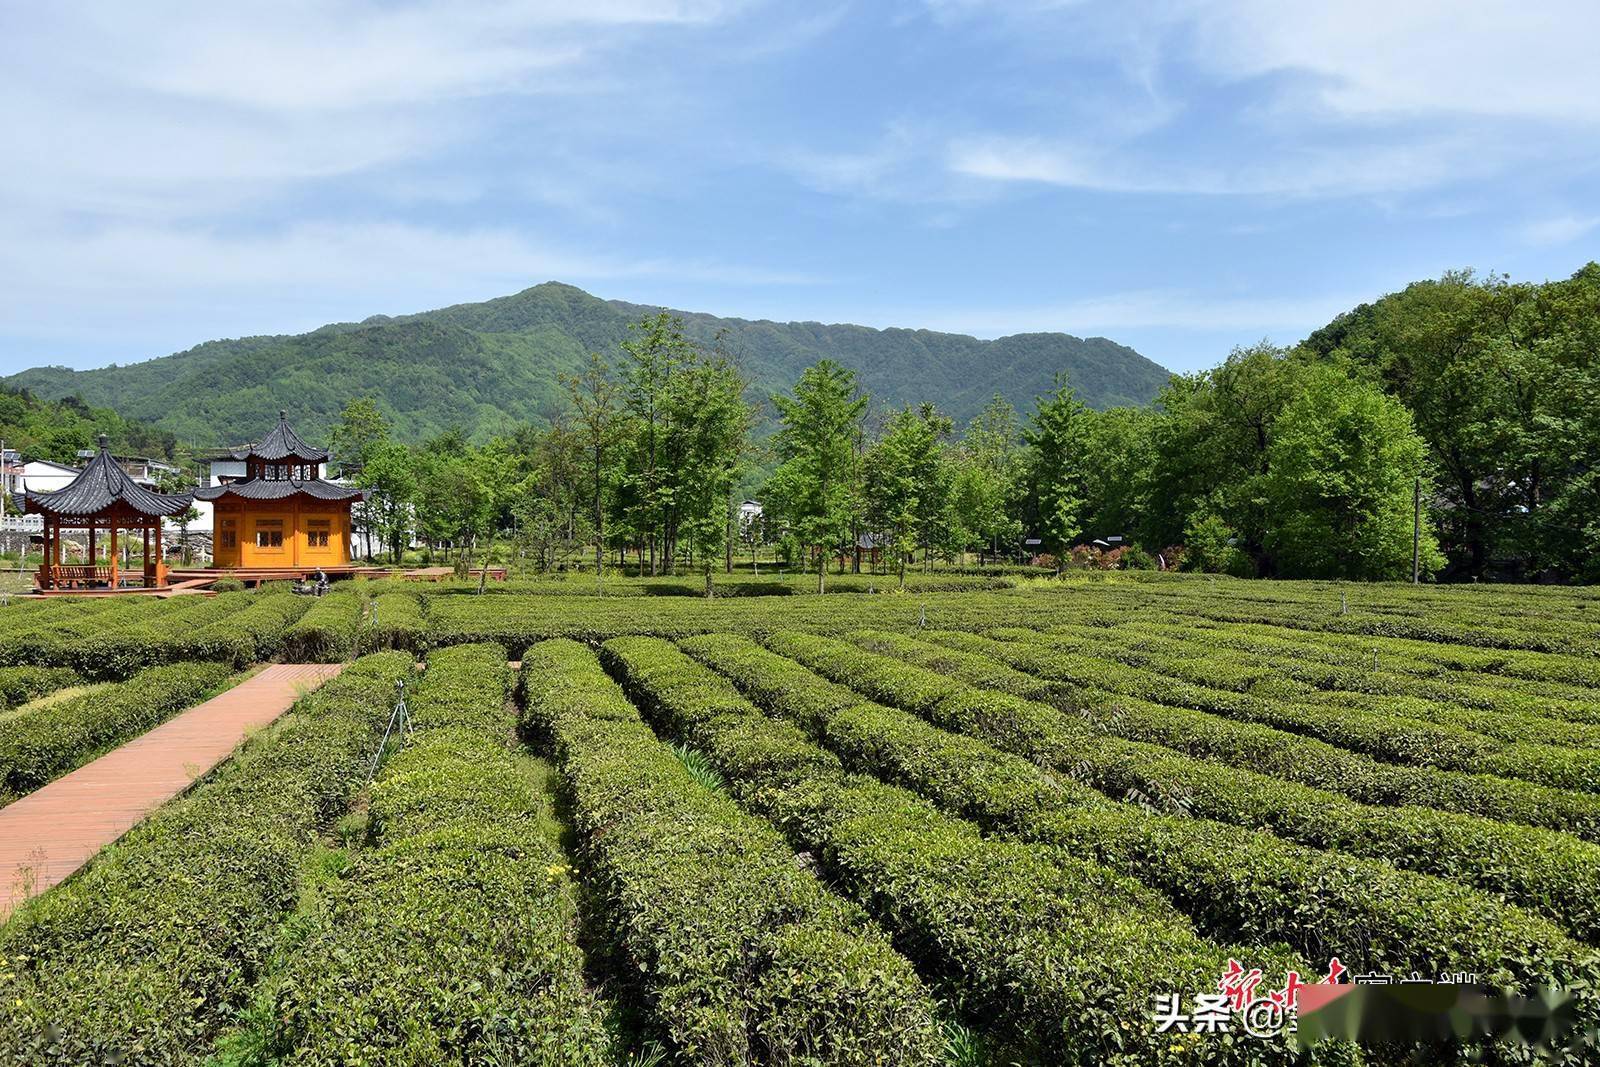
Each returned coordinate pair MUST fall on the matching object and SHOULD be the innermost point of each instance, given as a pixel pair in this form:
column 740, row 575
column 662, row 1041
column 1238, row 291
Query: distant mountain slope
column 483, row 367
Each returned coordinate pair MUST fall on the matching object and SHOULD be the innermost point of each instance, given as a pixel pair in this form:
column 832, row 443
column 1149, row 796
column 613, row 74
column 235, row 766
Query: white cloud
column 1362, row 97
column 1305, row 171
column 294, row 279
column 1506, row 58
column 1559, row 230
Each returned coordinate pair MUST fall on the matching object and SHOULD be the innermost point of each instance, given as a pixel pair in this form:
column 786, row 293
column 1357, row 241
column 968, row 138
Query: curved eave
column 259, row 489
column 67, row 504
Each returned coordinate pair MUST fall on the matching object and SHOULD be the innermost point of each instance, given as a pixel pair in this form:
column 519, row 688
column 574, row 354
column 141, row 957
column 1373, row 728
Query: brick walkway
column 50, row 833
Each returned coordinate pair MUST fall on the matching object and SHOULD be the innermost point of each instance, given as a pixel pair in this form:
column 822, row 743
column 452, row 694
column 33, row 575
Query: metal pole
column 1416, row 531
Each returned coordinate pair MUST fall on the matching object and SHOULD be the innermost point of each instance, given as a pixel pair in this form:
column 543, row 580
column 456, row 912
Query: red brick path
column 50, row 833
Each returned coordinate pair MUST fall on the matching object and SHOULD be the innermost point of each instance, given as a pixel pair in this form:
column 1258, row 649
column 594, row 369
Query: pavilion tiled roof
column 266, row 489
column 282, row 443
column 102, row 486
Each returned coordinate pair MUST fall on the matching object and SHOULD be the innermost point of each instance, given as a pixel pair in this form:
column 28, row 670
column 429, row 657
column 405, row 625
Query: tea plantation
column 981, row 821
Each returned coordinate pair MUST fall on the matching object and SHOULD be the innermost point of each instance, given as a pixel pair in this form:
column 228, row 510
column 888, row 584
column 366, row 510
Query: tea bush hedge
column 1055, row 952
column 146, row 954
column 744, row 957
column 38, row 745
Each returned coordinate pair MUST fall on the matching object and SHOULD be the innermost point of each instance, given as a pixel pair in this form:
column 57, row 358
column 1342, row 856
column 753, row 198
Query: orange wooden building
column 281, row 513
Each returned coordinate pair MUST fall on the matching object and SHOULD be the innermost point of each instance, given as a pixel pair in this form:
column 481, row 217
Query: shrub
column 329, row 629
column 20, row 685
column 248, row 636
column 227, row 585
column 1037, row 942
column 455, row 939
column 144, row 955
column 1284, row 755
column 44, row 743
column 1234, row 883
column 397, row 622
column 744, row 957
column 1548, row 872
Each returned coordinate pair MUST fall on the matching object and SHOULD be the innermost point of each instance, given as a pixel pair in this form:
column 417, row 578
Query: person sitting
column 322, row 582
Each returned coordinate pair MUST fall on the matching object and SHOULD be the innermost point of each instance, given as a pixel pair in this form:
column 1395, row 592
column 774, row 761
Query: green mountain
column 485, row 367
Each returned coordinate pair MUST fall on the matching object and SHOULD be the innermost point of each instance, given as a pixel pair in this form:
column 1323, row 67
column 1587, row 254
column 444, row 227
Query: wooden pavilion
column 282, row 517
column 102, row 497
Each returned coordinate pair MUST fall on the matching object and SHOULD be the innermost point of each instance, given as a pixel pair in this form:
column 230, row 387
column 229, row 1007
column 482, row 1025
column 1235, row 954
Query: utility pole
column 1416, row 530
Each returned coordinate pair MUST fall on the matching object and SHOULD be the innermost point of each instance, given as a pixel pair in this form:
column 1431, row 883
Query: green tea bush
column 41, row 744
column 397, row 622
column 148, row 952
column 744, row 957
column 1234, row 883
column 1550, row 873
column 19, row 685
column 248, row 636
column 454, row 938
column 1039, row 944
column 1284, row 755
column 329, row 629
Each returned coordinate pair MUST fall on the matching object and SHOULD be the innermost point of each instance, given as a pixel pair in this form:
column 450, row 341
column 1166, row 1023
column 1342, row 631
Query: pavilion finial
column 105, row 442
column 283, row 414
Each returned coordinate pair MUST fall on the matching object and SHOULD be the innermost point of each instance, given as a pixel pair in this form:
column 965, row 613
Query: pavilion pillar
column 113, row 553
column 93, row 555
column 144, row 558
column 161, row 559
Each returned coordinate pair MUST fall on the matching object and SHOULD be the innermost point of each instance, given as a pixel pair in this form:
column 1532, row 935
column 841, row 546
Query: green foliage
column 815, row 488
column 57, row 429
column 452, row 938
column 145, row 955
column 1341, row 472
column 1500, row 379
column 19, row 685
column 1029, row 938
column 906, row 485
column 1055, row 478
column 1363, row 911
column 328, row 630
column 743, row 956
column 41, row 744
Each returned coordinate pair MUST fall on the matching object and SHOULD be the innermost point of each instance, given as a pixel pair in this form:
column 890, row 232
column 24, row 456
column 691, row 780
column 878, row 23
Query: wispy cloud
column 1558, row 230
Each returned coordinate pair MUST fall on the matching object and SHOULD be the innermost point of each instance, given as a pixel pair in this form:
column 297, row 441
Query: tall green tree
column 1345, row 462
column 1211, row 448
column 389, row 472
column 361, row 428
column 1054, row 436
column 655, row 349
column 815, row 484
column 709, row 425
column 593, row 395
column 985, row 472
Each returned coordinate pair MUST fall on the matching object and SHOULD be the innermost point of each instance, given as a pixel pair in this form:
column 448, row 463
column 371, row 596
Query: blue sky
column 1181, row 177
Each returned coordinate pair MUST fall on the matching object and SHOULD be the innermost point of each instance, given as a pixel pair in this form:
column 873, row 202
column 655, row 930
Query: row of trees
column 643, row 457
column 1274, row 463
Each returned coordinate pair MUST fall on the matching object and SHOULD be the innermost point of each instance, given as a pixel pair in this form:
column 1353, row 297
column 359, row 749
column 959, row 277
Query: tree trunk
column 822, row 568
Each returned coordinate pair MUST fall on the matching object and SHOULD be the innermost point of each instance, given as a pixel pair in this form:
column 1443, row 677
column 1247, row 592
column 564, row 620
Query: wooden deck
column 48, row 834
column 254, row 576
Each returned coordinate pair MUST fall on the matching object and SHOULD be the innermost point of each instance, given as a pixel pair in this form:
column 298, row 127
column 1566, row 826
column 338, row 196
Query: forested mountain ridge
column 485, row 367
column 56, row 430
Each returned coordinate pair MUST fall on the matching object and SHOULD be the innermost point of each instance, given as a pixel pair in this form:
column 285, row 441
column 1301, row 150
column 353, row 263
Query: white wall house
column 45, row 476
